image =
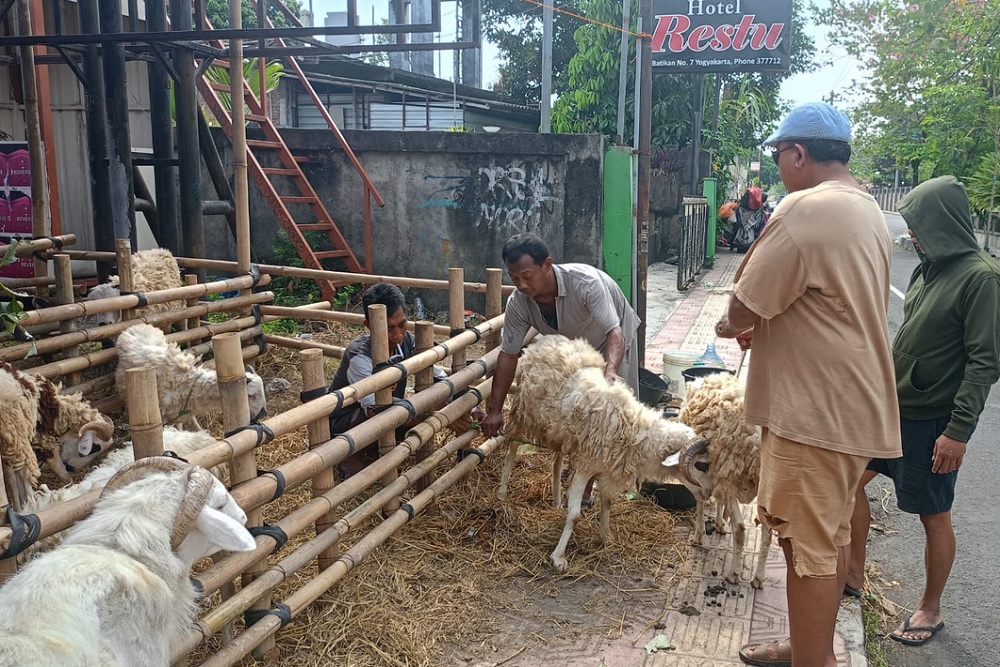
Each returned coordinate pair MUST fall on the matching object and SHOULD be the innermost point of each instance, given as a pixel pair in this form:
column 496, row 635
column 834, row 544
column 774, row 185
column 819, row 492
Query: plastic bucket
column 674, row 363
column 652, row 388
column 695, row 372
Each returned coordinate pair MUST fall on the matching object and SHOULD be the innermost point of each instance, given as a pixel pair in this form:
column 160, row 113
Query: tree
column 217, row 12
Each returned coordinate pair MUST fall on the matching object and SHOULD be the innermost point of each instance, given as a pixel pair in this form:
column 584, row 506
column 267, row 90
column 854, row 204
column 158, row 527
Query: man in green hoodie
column 947, row 356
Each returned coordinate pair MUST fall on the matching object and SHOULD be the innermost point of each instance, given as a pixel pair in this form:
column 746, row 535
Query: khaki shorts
column 806, row 496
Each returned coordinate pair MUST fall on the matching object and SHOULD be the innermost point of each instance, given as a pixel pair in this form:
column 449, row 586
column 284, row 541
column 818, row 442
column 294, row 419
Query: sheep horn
column 140, row 469
column 199, row 485
column 695, row 447
column 103, row 428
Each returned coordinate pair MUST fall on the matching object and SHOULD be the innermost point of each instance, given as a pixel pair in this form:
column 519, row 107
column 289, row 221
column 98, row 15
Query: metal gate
column 694, row 227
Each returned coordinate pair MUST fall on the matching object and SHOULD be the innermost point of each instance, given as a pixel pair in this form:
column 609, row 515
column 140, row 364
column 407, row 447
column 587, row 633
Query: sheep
column 116, row 592
column 726, row 461
column 152, row 270
column 186, row 389
column 565, row 403
column 40, row 424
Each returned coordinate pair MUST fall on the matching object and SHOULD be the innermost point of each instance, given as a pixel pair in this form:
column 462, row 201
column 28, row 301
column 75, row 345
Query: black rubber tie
column 199, row 588
column 340, row 399
column 313, row 394
column 24, row 531
column 142, row 298
column 258, row 314
column 470, row 390
column 279, row 477
column 479, row 334
column 397, row 365
column 264, row 433
column 280, row 609
column 398, row 403
column 482, row 364
column 447, row 381
column 273, row 531
column 447, row 350
column 261, row 344
column 351, row 444
column 254, row 272
column 56, row 241
column 462, row 453
column 170, row 454
column 408, row 508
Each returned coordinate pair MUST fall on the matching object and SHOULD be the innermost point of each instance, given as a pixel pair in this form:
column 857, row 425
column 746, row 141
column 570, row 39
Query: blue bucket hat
column 812, row 120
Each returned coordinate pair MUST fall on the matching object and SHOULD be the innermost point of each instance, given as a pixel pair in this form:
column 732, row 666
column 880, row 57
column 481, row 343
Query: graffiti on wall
column 506, row 199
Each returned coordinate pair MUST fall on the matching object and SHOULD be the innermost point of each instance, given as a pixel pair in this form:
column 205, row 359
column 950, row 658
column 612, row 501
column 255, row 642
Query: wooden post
column 123, row 254
column 194, row 322
column 63, row 295
column 241, row 192
column 313, row 377
column 236, row 413
column 380, row 354
column 456, row 311
column 494, row 301
column 8, row 566
column 144, row 419
column 422, row 380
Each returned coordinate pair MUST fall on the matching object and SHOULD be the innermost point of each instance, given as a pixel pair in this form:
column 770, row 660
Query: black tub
column 652, row 388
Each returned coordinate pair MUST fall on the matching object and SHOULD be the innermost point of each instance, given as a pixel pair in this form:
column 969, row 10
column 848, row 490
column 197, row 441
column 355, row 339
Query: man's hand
column 723, row 329
column 611, row 376
column 462, row 424
column 492, row 424
column 948, row 455
column 745, row 339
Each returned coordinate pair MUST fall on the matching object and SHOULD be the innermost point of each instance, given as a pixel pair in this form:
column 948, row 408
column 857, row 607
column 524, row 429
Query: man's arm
column 737, row 319
column 614, row 352
column 503, row 376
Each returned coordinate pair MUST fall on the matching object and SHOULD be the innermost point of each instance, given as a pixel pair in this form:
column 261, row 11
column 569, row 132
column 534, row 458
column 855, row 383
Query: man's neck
column 833, row 171
column 551, row 292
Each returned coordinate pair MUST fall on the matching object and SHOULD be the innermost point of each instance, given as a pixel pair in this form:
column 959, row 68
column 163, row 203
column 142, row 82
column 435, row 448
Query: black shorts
column 918, row 490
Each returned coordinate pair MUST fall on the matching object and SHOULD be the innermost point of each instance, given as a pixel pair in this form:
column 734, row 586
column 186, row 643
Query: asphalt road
column 972, row 599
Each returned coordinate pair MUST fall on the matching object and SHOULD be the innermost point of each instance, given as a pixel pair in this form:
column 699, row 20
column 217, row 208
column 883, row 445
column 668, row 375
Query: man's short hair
column 385, row 294
column 519, row 245
column 826, row 150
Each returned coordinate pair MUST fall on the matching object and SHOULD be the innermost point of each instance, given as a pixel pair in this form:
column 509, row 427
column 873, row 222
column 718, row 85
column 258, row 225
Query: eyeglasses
column 776, row 153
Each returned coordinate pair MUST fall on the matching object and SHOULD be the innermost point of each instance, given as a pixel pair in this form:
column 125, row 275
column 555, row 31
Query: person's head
column 391, row 297
column 528, row 264
column 811, row 141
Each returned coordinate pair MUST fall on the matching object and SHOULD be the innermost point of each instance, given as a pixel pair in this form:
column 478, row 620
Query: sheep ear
column 224, row 531
column 86, row 446
column 250, row 369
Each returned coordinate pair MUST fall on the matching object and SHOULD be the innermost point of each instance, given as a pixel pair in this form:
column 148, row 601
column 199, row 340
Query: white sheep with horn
column 152, row 270
column 565, row 403
column 38, row 423
column 186, row 388
column 117, row 592
column 725, row 462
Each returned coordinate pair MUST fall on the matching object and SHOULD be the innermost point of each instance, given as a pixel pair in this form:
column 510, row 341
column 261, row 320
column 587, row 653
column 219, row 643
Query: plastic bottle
column 710, row 358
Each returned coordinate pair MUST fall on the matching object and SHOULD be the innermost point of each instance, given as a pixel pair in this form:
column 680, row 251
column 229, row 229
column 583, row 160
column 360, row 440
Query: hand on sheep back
column 185, row 388
column 117, row 593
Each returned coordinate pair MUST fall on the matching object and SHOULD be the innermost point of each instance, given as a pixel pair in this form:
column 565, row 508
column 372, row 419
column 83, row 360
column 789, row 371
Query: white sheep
column 117, row 592
column 565, row 403
column 726, row 462
column 152, row 270
column 38, row 423
column 186, row 388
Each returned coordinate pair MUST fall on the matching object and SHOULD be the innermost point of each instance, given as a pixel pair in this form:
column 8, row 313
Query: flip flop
column 933, row 630
column 851, row 591
column 747, row 651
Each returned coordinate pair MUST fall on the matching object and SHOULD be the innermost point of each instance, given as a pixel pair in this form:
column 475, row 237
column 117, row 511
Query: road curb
column 851, row 628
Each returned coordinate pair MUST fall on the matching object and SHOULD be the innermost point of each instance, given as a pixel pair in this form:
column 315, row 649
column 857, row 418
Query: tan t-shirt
column 821, row 371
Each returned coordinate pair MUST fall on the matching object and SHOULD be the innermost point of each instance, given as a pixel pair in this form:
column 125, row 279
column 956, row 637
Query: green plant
column 666, row 161
column 875, row 628
column 11, row 312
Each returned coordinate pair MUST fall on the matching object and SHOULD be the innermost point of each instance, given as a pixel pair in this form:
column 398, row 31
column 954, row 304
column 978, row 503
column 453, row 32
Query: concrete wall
column 452, row 199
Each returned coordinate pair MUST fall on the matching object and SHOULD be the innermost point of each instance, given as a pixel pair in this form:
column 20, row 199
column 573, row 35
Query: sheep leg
column 765, row 546
column 557, row 468
column 574, row 498
column 739, row 540
column 605, row 515
column 720, row 518
column 508, row 465
column 698, row 532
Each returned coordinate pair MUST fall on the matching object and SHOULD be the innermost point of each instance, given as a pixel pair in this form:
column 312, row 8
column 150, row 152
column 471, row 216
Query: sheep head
column 255, row 394
column 79, row 446
column 208, row 518
column 104, row 291
column 694, row 467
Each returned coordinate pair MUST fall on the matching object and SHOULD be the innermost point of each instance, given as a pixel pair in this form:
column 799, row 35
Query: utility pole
column 546, row 101
column 645, row 144
column 623, row 72
column 833, row 96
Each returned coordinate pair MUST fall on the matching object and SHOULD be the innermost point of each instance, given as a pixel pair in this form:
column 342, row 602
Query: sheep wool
column 152, row 270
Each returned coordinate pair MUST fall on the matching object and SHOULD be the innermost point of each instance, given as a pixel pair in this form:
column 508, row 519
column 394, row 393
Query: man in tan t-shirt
column 811, row 297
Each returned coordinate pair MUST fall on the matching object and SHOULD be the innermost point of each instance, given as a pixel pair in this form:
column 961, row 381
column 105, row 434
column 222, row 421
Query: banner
column 704, row 36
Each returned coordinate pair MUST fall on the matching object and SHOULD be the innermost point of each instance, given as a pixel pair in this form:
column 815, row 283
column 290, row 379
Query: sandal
column 770, row 654
column 915, row 641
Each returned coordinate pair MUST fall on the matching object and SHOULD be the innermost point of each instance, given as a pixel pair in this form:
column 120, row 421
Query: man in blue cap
column 811, row 297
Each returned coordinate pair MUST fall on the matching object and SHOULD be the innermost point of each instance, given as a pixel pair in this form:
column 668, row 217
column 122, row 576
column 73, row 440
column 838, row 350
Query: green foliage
column 272, row 76
column 217, row 12
column 11, row 312
column 931, row 103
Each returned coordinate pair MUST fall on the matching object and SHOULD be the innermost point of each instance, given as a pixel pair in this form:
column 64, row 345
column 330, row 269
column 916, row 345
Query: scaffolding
column 178, row 50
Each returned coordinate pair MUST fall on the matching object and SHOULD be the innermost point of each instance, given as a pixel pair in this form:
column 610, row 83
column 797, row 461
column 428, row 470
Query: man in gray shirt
column 575, row 300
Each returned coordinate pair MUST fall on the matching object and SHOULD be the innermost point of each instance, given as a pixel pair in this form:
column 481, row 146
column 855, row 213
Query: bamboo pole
column 494, row 301
column 90, row 386
column 235, row 414
column 334, row 351
column 63, row 295
column 333, row 316
column 194, row 321
column 93, row 334
column 261, row 490
column 299, row 272
column 144, row 421
column 423, row 379
column 377, row 324
column 314, row 377
column 241, row 191
column 8, row 566
column 456, row 311
column 30, row 247
column 85, row 308
column 126, row 284
column 325, row 580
